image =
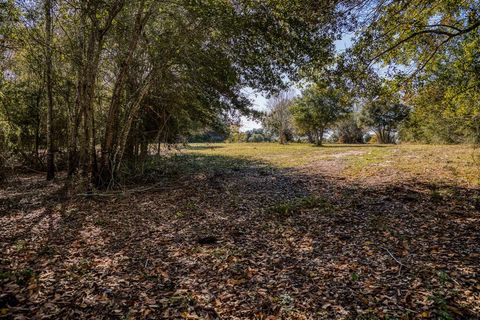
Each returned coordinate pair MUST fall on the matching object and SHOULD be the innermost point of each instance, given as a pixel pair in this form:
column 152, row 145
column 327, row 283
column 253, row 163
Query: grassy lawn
column 455, row 164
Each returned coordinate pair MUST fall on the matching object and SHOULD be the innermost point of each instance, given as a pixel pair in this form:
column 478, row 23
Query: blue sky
column 259, row 101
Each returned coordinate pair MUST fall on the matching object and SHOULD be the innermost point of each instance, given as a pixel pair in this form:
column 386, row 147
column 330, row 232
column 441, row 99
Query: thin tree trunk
column 73, row 156
column 111, row 130
column 48, row 62
column 37, row 126
column 320, row 138
column 118, row 156
column 75, row 118
column 93, row 59
column 88, row 59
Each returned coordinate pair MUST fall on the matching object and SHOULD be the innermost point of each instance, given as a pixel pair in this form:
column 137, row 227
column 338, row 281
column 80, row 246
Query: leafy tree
column 445, row 96
column 125, row 74
column 432, row 47
column 257, row 135
column 405, row 32
column 235, row 135
column 278, row 119
column 347, row 130
column 383, row 115
column 319, row 107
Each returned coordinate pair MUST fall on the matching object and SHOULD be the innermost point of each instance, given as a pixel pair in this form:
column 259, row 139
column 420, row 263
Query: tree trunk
column 111, row 130
column 48, row 65
column 76, row 114
column 283, row 138
column 88, row 61
column 378, row 133
column 310, row 137
column 137, row 104
column 37, row 125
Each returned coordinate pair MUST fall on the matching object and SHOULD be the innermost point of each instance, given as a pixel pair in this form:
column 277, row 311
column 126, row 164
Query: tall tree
column 49, row 85
column 405, row 32
column 109, row 154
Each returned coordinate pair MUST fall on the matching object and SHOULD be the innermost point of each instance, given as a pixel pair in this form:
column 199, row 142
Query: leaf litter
column 248, row 243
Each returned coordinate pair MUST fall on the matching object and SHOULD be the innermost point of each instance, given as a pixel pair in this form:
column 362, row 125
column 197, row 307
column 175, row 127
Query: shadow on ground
column 204, row 147
column 220, row 237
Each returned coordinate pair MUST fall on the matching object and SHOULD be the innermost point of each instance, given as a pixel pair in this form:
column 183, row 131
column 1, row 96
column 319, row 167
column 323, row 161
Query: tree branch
column 450, row 35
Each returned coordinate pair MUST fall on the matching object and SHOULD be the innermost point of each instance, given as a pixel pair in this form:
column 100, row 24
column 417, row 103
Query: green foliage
column 130, row 73
column 383, row 112
column 432, row 49
column 235, row 135
column 319, row 107
column 257, row 135
column 347, row 130
column 446, row 102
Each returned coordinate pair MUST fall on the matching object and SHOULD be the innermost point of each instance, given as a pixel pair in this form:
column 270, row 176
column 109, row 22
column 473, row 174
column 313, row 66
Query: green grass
column 283, row 156
column 432, row 163
column 292, row 207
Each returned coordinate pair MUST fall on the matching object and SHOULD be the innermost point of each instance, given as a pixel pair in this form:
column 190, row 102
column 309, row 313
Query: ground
column 251, row 231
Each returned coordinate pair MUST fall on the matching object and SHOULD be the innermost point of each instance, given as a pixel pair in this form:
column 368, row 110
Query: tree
column 383, row 115
column 405, row 32
column 132, row 73
column 257, row 135
column 347, row 130
column 278, row 119
column 431, row 47
column 49, row 85
column 319, row 107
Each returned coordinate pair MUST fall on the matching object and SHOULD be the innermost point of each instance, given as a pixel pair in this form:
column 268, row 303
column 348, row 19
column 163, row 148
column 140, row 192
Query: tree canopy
column 126, row 74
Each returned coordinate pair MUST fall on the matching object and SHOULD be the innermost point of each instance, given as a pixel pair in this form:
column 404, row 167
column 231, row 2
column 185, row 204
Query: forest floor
column 252, row 231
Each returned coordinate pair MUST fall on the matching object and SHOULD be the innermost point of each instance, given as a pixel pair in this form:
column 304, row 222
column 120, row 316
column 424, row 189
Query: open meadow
column 251, row 231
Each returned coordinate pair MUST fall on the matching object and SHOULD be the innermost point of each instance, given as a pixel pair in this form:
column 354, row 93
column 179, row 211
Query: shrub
column 348, row 130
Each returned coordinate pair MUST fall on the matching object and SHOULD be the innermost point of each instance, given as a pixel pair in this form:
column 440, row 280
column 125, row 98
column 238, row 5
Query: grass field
column 440, row 164
column 251, row 231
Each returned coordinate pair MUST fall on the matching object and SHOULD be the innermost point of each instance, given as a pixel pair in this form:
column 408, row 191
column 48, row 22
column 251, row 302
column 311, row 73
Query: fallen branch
column 158, row 186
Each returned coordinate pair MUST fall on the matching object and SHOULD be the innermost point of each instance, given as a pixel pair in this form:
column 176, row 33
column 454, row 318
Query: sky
column 259, row 101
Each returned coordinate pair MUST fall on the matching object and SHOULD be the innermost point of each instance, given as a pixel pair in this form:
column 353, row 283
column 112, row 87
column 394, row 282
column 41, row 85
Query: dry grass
column 429, row 163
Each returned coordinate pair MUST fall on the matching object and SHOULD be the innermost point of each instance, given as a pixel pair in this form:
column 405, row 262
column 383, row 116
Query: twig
column 33, row 170
column 391, row 255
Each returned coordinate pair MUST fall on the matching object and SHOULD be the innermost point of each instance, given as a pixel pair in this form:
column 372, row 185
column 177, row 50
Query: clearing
column 252, row 231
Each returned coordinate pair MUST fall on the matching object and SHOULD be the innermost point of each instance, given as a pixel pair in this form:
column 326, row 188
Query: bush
column 256, row 138
column 348, row 131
